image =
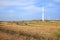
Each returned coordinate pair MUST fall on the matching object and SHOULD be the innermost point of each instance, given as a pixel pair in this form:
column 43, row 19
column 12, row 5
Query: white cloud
column 1, row 8
column 57, row 1
column 50, row 5
column 31, row 10
column 11, row 11
column 26, row 5
column 16, row 2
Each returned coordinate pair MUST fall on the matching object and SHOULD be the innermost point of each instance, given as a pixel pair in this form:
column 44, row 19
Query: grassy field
column 30, row 30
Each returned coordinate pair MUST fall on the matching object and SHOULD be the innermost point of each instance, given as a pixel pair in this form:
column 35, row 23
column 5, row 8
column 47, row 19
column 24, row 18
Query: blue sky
column 29, row 9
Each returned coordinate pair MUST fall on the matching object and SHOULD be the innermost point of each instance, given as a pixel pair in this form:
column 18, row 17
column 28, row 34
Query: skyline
column 29, row 9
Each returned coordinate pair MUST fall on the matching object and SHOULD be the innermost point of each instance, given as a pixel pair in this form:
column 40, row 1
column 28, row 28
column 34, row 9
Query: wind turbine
column 43, row 12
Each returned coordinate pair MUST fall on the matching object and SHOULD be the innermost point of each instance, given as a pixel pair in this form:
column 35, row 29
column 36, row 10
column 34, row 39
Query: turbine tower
column 43, row 12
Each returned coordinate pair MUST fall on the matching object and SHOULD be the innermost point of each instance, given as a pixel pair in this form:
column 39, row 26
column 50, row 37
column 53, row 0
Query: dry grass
column 30, row 30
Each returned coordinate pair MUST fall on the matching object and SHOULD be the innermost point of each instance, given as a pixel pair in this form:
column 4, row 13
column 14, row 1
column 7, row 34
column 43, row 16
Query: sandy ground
column 45, row 32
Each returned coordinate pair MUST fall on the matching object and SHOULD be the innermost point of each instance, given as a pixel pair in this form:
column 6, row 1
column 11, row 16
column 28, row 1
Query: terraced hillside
column 30, row 30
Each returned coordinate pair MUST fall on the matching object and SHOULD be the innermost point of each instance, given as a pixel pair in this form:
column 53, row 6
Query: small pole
column 43, row 11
